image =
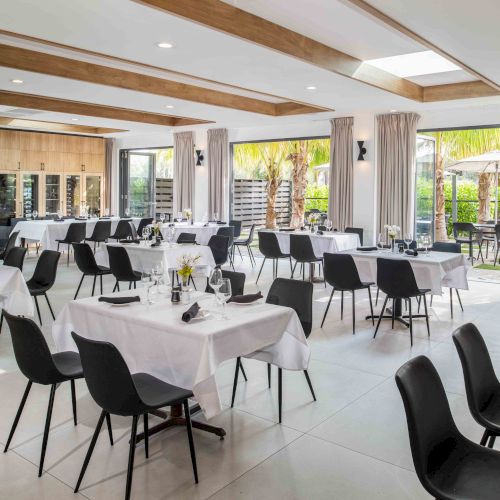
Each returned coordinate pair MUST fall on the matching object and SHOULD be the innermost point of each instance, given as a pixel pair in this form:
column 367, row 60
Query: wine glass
column 381, row 241
column 225, row 294
column 146, row 233
column 426, row 243
column 34, row 214
column 162, row 218
column 215, row 281
column 408, row 240
column 106, row 212
column 179, row 217
column 127, row 212
column 216, row 216
column 329, row 224
column 148, row 283
column 59, row 214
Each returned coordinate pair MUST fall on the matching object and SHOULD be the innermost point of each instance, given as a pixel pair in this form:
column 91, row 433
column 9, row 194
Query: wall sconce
column 199, row 157
column 362, row 150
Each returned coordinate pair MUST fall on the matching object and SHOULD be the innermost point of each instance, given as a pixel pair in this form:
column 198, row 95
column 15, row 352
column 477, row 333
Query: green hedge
column 315, row 191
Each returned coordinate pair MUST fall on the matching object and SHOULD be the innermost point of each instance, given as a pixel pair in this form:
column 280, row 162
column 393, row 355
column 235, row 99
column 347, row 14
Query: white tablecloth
column 321, row 243
column 433, row 272
column 15, row 297
column 153, row 339
column 144, row 258
column 48, row 231
column 203, row 233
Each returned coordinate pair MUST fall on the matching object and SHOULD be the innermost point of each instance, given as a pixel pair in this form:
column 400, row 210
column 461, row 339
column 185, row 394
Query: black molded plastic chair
column 121, row 268
column 467, row 234
column 86, row 263
column 75, row 234
column 43, row 278
column 186, row 238
column 297, row 295
column 497, row 243
column 269, row 247
column 342, row 274
column 450, row 247
column 146, row 221
column 481, row 383
column 118, row 392
column 302, row 251
column 220, row 248
column 236, row 225
column 39, row 366
column 355, row 230
column 448, row 465
column 101, row 232
column 229, row 232
column 413, row 244
column 246, row 242
column 122, row 230
column 396, row 279
column 11, row 243
column 15, row 257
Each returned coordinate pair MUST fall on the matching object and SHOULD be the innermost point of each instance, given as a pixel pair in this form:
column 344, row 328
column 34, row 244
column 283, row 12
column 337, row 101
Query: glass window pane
column 52, row 194
column 93, row 193
column 73, row 200
column 140, row 184
column 424, row 187
column 30, row 194
column 7, row 197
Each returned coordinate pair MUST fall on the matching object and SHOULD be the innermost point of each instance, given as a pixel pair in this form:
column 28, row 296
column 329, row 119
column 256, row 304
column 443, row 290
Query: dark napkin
column 130, row 241
column 156, row 244
column 221, row 223
column 287, row 229
column 413, row 253
column 120, row 300
column 245, row 299
column 319, row 232
column 58, row 220
column 191, row 313
column 367, row 249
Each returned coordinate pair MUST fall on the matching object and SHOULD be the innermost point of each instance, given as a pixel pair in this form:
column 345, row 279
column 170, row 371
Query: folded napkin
column 287, row 229
column 130, row 241
column 156, row 244
column 413, row 253
column 246, row 299
column 319, row 232
column 205, row 225
column 191, row 313
column 221, row 223
column 120, row 300
column 367, row 249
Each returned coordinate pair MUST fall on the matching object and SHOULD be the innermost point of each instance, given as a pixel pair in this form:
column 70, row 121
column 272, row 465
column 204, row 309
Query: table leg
column 398, row 314
column 312, row 277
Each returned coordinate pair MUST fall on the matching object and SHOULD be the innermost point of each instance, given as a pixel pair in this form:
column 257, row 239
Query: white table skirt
column 144, row 258
column 48, row 231
column 433, row 272
column 203, row 233
column 326, row 243
column 153, row 339
column 15, row 297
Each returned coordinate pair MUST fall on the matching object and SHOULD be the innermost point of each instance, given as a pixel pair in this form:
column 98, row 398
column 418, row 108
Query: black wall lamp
column 362, row 150
column 199, row 157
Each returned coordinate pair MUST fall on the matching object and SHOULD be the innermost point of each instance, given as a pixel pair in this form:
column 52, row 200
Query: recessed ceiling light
column 74, row 119
column 169, row 106
column 17, row 80
column 311, row 87
column 164, row 45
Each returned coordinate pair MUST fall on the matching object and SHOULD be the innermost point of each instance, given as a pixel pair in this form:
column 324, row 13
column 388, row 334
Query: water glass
column 179, row 217
column 162, row 218
column 215, row 281
column 426, row 243
column 381, row 242
column 148, row 283
column 225, row 293
column 34, row 214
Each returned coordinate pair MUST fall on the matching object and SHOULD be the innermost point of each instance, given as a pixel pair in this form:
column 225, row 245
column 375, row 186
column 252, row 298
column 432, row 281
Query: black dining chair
column 85, row 260
column 236, row 225
column 396, row 279
column 219, row 245
column 15, row 257
column 355, row 230
column 44, row 278
column 246, row 242
column 118, row 392
column 39, row 366
column 481, row 383
column 269, row 247
column 342, row 275
column 466, row 233
column 497, row 243
column 302, row 251
column 186, row 239
column 229, row 232
column 413, row 244
column 11, row 243
column 144, row 222
column 101, row 233
column 122, row 230
column 298, row 296
column 449, row 247
column 75, row 234
column 448, row 465
column 121, row 267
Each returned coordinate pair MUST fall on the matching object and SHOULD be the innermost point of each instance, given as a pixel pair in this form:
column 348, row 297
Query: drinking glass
column 34, row 214
column 381, row 241
column 127, row 212
column 179, row 217
column 216, row 216
column 148, row 283
column 426, row 243
column 408, row 239
column 329, row 224
column 106, row 212
column 215, row 282
column 162, row 218
column 225, row 294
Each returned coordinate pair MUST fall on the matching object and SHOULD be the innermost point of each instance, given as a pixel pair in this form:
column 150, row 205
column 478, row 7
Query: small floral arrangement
column 314, row 218
column 186, row 266
column 155, row 229
column 188, row 213
column 392, row 230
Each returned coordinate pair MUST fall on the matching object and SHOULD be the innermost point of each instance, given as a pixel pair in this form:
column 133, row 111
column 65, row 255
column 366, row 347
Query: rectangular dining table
column 202, row 231
column 15, row 297
column 153, row 339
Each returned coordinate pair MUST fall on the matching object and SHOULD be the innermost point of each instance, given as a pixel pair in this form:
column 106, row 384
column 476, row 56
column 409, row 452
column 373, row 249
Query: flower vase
column 393, row 245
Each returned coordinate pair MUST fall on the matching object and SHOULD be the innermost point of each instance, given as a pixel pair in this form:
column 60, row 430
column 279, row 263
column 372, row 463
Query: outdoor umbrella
column 487, row 163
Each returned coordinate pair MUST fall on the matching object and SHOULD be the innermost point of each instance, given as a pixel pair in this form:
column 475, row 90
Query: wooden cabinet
column 10, row 140
column 71, row 163
column 10, row 159
column 33, row 161
column 92, row 163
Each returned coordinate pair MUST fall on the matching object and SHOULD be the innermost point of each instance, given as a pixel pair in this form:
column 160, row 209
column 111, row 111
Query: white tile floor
column 351, row 444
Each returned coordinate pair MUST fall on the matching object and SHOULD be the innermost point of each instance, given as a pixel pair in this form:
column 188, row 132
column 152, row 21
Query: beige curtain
column 108, row 172
column 218, row 155
column 183, row 171
column 396, row 156
column 340, row 179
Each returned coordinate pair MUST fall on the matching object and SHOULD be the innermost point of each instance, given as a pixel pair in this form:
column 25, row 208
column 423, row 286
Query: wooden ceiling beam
column 56, row 126
column 463, row 90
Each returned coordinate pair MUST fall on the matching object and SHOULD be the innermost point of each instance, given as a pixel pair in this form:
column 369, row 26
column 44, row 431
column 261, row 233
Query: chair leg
column 451, row 302
column 496, row 254
column 1, row 321
column 293, row 270
column 393, row 313
column 146, row 435
column 327, row 307
column 236, row 373
column 243, row 372
column 47, row 428
column 130, row 285
column 280, row 393
column 492, row 441
column 269, row 375
column 67, row 264
column 411, row 323
column 101, row 283
column 131, row 455
column 432, row 297
column 93, row 285
column 38, row 310
column 353, row 312
column 291, row 264
column 73, row 401
column 50, row 307
column 252, row 257
column 380, row 317
column 426, row 315
column 263, row 262
column 78, row 289
column 485, row 437
column 110, row 429
column 114, row 288
column 458, row 297
column 306, row 373
column 18, row 415
column 342, row 304
column 371, row 305
column 376, row 298
column 189, row 429
column 303, row 271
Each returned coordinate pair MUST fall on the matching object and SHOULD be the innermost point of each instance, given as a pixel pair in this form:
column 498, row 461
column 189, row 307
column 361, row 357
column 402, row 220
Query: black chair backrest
column 108, row 377
column 122, row 230
column 432, row 430
column 249, row 238
column 14, row 220
column 11, row 242
column 395, row 278
column 341, row 272
column 236, row 225
column 464, row 228
column 295, row 294
column 355, row 230
column 133, row 230
column 237, row 282
column 268, row 245
column 84, row 258
column 220, row 248
column 481, row 382
column 227, row 231
column 322, row 228
column 46, row 268
column 146, row 221
column 413, row 244
column 102, row 230
column 15, row 257
column 186, row 238
column 497, row 231
column 119, row 263
column 446, row 246
column 76, row 232
column 301, row 248
column 31, row 350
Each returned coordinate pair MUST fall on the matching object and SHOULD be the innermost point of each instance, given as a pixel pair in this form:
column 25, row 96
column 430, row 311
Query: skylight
column 415, row 64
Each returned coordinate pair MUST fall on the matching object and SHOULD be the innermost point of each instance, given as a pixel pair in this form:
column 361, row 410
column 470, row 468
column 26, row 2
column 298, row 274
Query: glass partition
column 93, row 194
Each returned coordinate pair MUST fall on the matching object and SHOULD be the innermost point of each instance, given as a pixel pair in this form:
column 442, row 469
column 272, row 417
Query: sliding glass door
column 425, row 194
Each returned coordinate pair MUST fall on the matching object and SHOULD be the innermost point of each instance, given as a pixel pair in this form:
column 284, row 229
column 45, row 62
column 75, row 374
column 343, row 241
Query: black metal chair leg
column 371, row 305
column 411, row 323
column 250, row 252
column 110, row 429
column 189, row 429
column 79, row 285
column 269, row 375
column 310, row 384
column 353, row 313
column 496, row 254
column 485, row 437
column 492, row 441
column 236, row 373
column 73, row 400
column 280, row 393
column 426, row 316
column 243, row 372
column 1, row 321
column 380, row 317
column 432, row 296
column 293, row 270
column 393, row 313
column 67, row 264
column 376, row 298
column 459, row 300
column 291, row 264
column 101, row 283
column 451, row 302
column 18, row 415
column 263, row 262
column 47, row 428
column 327, row 307
column 90, row 450
column 146, row 435
column 131, row 455
column 93, row 285
column 50, row 307
column 38, row 310
column 115, row 287
column 342, row 304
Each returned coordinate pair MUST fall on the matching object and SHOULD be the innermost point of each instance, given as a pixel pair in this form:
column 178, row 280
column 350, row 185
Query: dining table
column 15, row 297
column 203, row 231
column 152, row 338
